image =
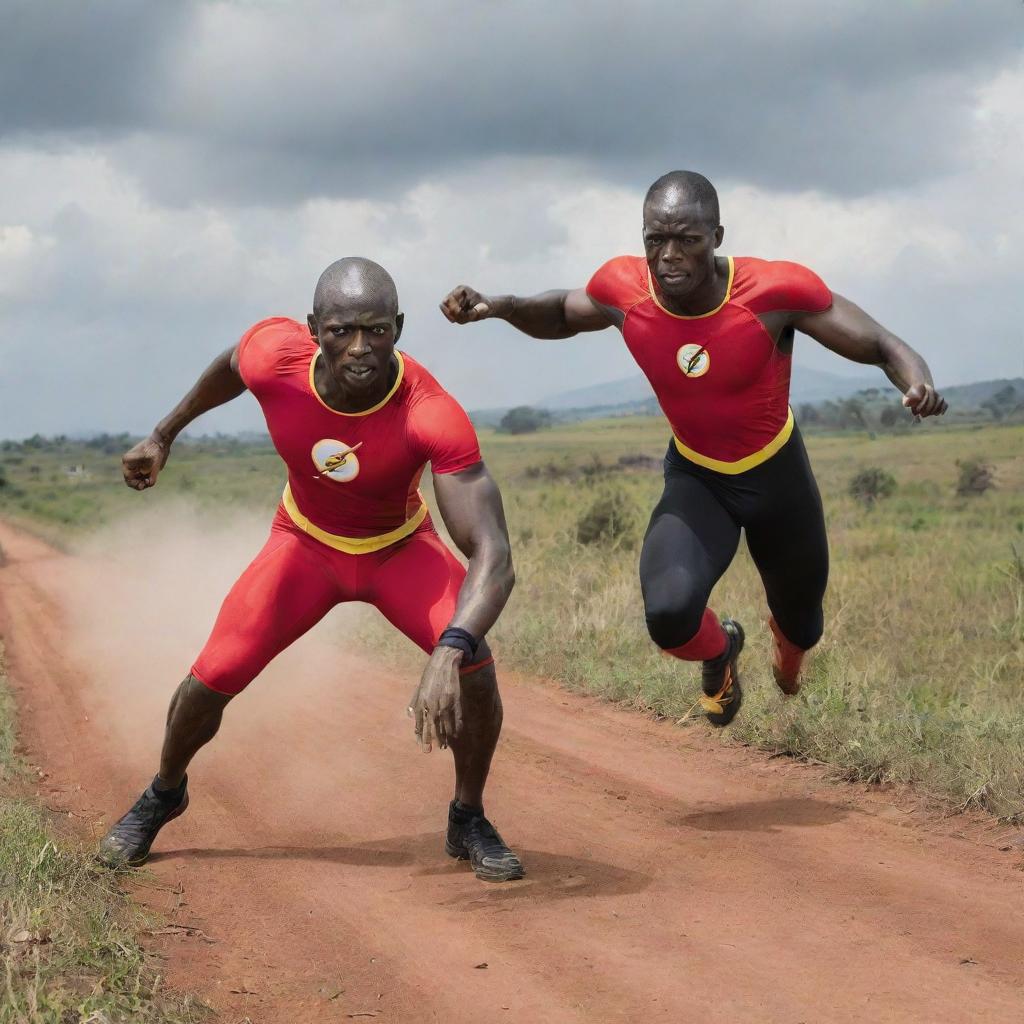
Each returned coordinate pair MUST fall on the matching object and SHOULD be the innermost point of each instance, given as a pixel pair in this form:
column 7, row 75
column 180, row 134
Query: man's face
column 357, row 344
column 680, row 246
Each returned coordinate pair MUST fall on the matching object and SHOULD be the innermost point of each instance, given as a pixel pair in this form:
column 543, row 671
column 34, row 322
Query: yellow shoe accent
column 716, row 705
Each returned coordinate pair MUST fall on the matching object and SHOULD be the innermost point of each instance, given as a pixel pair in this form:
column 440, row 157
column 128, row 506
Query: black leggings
column 695, row 530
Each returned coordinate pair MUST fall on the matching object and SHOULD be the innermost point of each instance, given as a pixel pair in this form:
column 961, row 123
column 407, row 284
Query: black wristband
column 460, row 639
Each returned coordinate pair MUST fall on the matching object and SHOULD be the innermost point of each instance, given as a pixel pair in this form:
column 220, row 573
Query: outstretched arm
column 220, row 382
column 847, row 330
column 557, row 314
column 470, row 506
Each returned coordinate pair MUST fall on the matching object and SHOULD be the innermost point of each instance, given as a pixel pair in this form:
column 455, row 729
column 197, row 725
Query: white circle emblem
column 335, row 460
column 693, row 360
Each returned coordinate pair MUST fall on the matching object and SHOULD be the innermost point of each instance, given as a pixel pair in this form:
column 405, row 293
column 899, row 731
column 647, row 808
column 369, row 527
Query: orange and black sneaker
column 720, row 679
column 787, row 659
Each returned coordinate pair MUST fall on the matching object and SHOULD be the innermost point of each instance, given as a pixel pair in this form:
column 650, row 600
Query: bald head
column 355, row 283
column 684, row 189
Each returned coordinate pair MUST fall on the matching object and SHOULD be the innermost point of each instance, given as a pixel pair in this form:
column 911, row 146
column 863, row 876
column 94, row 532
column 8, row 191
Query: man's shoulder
column 420, row 383
column 620, row 283
column 277, row 329
column 274, row 338
column 777, row 285
column 436, row 420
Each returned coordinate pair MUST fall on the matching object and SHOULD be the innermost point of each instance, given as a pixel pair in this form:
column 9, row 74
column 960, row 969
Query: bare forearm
column 219, row 383
column 901, row 364
column 484, row 592
column 539, row 316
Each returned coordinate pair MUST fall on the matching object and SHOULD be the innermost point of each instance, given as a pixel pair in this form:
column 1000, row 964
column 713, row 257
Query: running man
column 714, row 336
column 355, row 422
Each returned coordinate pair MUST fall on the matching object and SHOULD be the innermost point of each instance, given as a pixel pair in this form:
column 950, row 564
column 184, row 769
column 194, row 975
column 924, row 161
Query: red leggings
column 295, row 580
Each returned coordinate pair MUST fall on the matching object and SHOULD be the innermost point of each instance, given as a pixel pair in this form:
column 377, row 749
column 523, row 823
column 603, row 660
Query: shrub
column 608, row 520
column 870, row 484
column 524, row 420
column 976, row 477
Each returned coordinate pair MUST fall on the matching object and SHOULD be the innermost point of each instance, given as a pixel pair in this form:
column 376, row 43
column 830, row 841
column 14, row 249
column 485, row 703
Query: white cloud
column 113, row 302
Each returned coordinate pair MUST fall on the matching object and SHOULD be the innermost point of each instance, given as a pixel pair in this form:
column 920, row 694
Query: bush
column 870, row 484
column 609, row 520
column 524, row 420
column 976, row 477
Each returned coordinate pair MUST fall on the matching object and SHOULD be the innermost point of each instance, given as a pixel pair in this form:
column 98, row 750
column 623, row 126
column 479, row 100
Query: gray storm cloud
column 267, row 103
column 170, row 173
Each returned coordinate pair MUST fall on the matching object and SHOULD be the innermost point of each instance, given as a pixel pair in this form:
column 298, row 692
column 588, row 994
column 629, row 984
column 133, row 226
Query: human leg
column 689, row 543
column 281, row 595
column 416, row 587
column 788, row 543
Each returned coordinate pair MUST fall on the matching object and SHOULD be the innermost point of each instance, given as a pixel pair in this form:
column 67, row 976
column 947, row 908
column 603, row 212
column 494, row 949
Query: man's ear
column 399, row 324
column 719, row 235
column 311, row 320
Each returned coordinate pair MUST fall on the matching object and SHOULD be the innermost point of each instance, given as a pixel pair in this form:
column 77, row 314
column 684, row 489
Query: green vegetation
column 524, row 420
column 68, row 951
column 870, row 484
column 920, row 676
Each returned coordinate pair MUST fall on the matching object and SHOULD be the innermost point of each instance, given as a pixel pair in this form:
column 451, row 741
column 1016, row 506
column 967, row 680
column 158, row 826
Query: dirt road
column 670, row 879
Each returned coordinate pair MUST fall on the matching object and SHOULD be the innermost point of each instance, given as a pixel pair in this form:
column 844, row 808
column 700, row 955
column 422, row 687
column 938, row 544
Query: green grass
column 68, row 946
column 920, row 675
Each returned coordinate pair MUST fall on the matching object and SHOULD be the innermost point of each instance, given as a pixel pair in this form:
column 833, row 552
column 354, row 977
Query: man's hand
column 464, row 305
column 923, row 400
column 143, row 463
column 436, row 704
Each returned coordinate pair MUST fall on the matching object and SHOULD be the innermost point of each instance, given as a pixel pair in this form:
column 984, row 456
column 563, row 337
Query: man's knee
column 222, row 676
column 673, row 614
column 802, row 628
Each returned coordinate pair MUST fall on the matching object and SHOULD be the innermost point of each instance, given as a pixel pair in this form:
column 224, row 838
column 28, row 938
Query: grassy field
column 68, row 946
column 920, row 676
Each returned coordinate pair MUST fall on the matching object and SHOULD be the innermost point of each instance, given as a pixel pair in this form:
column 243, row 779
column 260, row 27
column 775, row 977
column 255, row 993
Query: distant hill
column 632, row 396
column 971, row 396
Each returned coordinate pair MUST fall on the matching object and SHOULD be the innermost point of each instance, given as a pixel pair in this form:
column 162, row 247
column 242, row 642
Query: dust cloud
column 138, row 602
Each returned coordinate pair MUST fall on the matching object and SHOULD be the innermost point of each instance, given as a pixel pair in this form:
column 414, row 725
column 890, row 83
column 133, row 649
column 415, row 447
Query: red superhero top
column 719, row 377
column 367, row 499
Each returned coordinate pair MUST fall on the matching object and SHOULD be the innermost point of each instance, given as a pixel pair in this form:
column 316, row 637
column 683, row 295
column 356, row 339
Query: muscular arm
column 847, row 330
column 220, row 382
column 556, row 314
column 470, row 505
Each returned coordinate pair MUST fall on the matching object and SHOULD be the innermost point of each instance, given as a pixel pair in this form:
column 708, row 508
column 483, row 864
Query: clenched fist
column 143, row 463
column 464, row 305
column 923, row 400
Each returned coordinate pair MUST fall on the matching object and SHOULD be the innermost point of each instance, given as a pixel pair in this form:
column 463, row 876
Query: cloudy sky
column 172, row 172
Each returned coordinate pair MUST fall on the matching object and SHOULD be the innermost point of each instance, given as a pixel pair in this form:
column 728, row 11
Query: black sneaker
column 128, row 842
column 472, row 837
column 720, row 679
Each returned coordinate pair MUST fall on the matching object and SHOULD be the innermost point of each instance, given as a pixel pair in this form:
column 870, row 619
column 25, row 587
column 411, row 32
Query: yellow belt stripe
column 350, row 545
column 741, row 465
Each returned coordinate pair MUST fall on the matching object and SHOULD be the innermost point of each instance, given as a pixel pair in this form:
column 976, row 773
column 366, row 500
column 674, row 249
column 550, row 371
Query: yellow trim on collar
column 350, row 545
column 741, row 465
column 697, row 316
column 365, row 412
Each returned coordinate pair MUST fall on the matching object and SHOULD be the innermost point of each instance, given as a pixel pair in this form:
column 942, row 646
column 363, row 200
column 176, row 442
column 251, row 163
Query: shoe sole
column 512, row 875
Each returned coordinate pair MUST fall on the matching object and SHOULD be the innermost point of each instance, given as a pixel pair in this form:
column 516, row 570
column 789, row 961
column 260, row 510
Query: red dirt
column 670, row 879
